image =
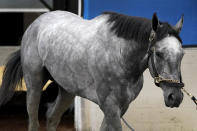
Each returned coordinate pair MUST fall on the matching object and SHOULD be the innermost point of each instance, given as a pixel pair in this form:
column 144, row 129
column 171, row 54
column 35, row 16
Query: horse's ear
column 179, row 25
column 155, row 22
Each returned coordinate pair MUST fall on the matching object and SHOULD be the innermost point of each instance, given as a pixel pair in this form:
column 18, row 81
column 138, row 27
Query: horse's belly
column 73, row 75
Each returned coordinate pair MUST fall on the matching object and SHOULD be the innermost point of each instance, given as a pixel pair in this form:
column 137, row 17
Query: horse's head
column 165, row 56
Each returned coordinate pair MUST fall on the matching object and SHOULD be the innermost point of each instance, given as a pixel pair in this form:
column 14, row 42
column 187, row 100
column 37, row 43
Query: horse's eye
column 159, row 54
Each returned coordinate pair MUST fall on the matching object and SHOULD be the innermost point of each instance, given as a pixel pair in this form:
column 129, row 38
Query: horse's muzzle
column 173, row 99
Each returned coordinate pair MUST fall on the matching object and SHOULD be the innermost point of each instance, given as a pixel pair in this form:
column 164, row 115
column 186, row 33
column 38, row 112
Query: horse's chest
column 121, row 92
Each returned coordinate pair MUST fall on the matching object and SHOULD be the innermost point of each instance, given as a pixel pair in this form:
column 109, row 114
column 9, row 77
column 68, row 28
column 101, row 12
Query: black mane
column 137, row 28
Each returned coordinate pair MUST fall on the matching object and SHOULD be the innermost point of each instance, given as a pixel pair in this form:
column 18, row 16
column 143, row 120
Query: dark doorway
column 11, row 28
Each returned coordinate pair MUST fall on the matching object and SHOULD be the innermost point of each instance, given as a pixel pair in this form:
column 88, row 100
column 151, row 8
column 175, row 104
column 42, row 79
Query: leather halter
column 158, row 80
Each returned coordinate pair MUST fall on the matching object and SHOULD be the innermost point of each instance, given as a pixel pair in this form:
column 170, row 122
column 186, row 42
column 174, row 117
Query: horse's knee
column 112, row 120
column 111, row 111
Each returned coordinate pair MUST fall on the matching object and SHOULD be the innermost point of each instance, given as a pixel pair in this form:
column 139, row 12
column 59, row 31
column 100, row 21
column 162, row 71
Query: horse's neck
column 136, row 59
column 133, row 52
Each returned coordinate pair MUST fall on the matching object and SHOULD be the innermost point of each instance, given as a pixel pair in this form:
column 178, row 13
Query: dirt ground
column 14, row 118
column 13, row 115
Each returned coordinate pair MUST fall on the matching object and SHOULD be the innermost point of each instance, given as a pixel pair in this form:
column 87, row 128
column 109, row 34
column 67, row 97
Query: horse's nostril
column 171, row 97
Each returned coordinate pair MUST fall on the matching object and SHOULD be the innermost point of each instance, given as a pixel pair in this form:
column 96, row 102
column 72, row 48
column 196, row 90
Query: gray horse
column 102, row 59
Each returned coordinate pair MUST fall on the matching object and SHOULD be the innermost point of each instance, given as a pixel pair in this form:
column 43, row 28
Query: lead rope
column 191, row 96
column 127, row 124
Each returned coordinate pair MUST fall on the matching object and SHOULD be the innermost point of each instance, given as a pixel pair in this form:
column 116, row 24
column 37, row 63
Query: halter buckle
column 158, row 79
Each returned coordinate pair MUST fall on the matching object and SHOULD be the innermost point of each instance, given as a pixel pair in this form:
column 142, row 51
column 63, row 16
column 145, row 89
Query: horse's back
column 39, row 31
column 50, row 22
column 61, row 26
column 58, row 27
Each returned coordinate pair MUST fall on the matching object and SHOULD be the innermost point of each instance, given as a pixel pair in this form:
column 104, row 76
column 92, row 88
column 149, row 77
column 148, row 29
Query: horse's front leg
column 111, row 121
column 103, row 125
column 106, row 126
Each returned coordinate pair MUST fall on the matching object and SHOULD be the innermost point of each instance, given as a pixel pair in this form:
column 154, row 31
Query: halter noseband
column 158, row 80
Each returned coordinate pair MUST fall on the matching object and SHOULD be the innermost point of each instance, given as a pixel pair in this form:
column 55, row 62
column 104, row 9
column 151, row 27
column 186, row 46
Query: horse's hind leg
column 35, row 80
column 55, row 111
